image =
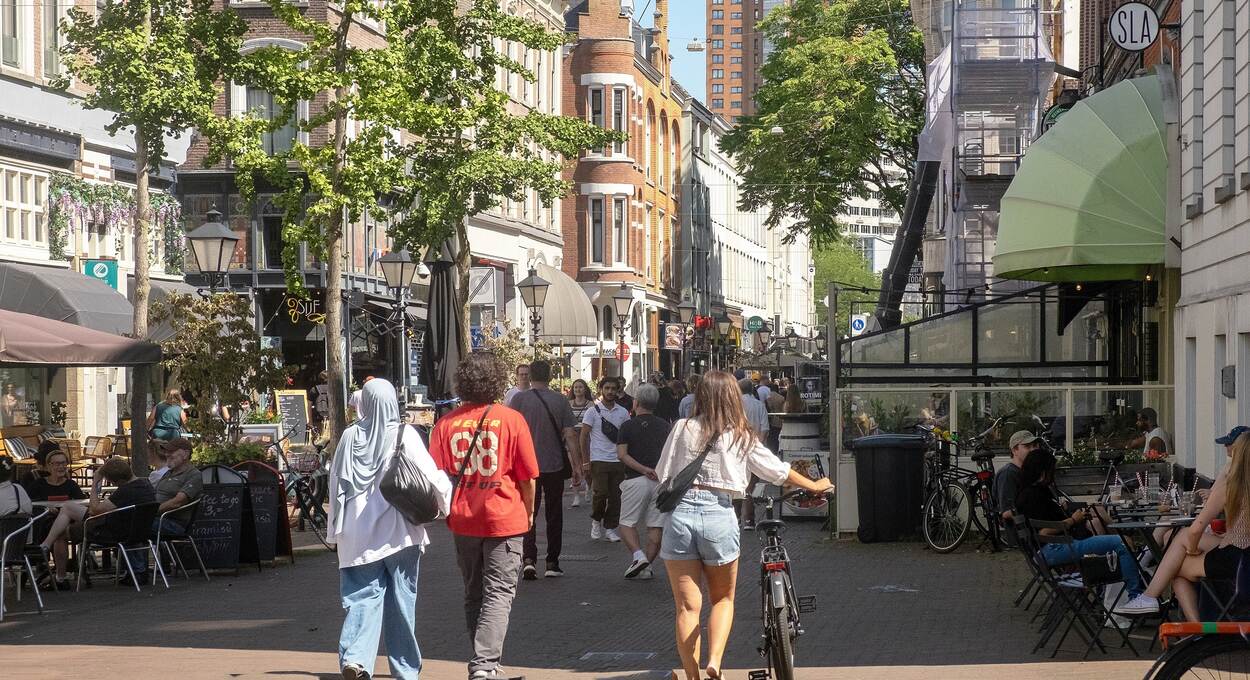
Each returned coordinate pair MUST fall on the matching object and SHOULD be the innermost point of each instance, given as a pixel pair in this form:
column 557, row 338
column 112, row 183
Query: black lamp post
column 621, row 303
column 764, row 334
column 212, row 246
column 685, row 315
column 534, row 294
column 821, row 343
column 724, row 325
column 400, row 270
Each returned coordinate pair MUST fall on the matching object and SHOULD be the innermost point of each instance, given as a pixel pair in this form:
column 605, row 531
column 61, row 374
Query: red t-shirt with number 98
column 487, row 501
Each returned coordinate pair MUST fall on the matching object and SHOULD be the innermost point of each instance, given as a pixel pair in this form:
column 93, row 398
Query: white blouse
column 727, row 467
column 373, row 529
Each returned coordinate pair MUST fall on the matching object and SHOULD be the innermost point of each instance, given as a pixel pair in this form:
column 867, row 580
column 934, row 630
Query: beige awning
column 567, row 316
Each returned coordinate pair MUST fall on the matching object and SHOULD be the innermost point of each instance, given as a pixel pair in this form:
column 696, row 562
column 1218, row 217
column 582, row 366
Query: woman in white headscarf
column 379, row 551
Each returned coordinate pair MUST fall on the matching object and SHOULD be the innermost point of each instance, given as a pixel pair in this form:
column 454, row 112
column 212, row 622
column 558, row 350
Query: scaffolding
column 1001, row 72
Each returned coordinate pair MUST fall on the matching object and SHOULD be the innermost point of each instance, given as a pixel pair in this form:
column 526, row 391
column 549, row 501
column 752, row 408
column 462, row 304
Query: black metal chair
column 172, row 543
column 137, row 538
column 15, row 530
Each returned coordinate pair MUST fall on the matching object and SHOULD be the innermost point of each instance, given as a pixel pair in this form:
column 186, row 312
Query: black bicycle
column 779, row 606
column 1208, row 651
column 308, row 488
column 955, row 497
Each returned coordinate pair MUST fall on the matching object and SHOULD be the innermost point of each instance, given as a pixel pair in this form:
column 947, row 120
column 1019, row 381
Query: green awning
column 1088, row 202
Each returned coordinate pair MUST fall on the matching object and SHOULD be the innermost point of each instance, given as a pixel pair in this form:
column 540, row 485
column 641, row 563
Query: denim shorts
column 704, row 527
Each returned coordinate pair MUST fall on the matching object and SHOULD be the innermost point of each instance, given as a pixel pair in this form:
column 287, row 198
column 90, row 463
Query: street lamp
column 621, row 303
column 792, row 339
column 685, row 315
column 723, row 327
column 400, row 270
column 765, row 333
column 534, row 294
column 212, row 246
column 821, row 342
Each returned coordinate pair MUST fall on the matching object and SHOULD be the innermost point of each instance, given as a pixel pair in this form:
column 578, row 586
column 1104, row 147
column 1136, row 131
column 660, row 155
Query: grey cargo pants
column 491, row 569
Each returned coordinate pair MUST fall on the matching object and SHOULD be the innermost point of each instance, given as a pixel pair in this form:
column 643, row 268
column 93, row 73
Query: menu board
column 293, row 409
column 218, row 525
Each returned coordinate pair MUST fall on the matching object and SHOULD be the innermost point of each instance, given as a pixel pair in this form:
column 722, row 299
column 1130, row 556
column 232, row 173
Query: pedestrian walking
column 379, row 551
column 580, row 399
column 641, row 442
column 701, row 540
column 667, row 407
column 488, row 447
column 687, row 402
column 599, row 438
column 550, row 419
column 522, row 384
column 757, row 416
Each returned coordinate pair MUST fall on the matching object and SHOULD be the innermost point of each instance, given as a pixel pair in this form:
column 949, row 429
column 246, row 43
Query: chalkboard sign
column 218, row 525
column 265, row 517
column 293, row 408
column 264, row 513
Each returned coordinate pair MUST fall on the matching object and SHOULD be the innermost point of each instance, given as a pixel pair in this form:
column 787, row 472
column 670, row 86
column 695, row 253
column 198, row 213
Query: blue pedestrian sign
column 859, row 323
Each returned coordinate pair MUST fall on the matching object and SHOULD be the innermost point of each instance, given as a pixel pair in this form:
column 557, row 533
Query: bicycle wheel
column 780, row 643
column 1216, row 657
column 314, row 514
column 947, row 517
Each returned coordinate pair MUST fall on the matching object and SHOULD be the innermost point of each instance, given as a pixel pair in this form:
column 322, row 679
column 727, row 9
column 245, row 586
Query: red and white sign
column 622, row 352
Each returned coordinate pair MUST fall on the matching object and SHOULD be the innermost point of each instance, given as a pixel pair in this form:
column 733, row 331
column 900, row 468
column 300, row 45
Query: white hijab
column 366, row 445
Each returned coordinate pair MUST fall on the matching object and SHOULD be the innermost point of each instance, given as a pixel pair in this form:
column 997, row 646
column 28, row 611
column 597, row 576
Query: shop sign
column 809, row 388
column 299, row 309
column 674, row 333
column 1133, row 26
column 104, row 270
column 754, row 324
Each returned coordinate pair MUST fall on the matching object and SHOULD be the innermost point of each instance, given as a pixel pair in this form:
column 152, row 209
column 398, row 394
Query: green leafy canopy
column 841, row 263
column 845, row 83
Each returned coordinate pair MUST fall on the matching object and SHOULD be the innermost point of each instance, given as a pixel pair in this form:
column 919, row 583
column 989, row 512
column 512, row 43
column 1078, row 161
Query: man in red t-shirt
column 493, row 503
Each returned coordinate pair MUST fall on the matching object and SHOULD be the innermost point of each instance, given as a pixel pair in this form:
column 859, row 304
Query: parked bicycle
column 1211, row 651
column 956, row 497
column 779, row 606
column 307, row 488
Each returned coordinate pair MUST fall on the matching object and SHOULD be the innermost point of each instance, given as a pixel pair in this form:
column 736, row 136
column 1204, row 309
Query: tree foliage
column 215, row 354
column 840, row 263
column 845, row 83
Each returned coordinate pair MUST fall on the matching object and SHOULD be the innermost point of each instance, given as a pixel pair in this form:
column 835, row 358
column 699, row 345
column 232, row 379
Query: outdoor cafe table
column 59, row 504
column 1145, row 528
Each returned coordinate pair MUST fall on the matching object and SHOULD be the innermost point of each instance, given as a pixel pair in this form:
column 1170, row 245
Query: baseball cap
column 1022, row 437
column 1232, row 435
column 176, row 444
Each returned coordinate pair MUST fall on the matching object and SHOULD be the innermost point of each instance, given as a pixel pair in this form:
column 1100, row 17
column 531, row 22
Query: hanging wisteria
column 74, row 203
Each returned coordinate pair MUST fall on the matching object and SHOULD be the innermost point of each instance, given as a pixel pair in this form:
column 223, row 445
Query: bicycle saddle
column 766, row 524
column 982, row 456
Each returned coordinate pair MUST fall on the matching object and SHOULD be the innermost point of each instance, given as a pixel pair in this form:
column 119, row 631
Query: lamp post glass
column 212, row 246
column 792, row 339
column 534, row 293
column 622, row 301
column 399, row 269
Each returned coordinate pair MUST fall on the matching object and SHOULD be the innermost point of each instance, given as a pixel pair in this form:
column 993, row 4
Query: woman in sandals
column 701, row 537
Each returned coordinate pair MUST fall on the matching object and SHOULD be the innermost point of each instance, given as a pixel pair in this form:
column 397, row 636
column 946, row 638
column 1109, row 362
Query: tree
column 845, row 84
column 840, row 263
column 414, row 131
column 155, row 65
column 216, row 354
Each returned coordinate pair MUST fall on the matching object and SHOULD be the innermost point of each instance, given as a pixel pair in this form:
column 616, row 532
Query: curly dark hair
column 481, row 378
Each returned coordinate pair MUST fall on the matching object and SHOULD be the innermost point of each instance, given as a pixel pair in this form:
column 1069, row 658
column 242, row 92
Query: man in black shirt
column 639, row 446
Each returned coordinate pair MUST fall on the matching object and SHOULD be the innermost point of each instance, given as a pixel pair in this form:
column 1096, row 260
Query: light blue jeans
column 381, row 600
column 703, row 527
column 1059, row 553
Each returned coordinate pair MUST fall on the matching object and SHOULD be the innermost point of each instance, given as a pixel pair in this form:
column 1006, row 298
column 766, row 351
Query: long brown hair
column 1237, row 484
column 718, row 408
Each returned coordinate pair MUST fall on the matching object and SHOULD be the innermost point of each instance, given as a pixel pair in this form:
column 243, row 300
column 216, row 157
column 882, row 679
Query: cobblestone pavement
column 889, row 611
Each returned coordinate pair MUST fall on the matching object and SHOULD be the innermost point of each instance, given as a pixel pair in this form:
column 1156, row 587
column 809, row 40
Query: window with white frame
column 672, row 245
column 595, row 224
column 646, row 240
column 51, row 20
column 620, row 231
column 674, row 171
column 663, row 220
column 620, row 109
column 595, row 106
column 663, row 146
column 650, row 123
column 261, row 103
column 25, row 194
column 12, row 44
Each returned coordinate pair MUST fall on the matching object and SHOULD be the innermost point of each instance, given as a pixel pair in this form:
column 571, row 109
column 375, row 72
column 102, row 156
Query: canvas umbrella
column 26, row 339
column 441, row 354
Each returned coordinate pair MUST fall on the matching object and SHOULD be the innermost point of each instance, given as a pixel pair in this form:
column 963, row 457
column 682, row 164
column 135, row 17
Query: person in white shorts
column 639, row 446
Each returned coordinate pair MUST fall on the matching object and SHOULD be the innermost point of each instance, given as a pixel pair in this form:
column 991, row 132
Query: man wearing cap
column 1007, row 479
column 178, row 487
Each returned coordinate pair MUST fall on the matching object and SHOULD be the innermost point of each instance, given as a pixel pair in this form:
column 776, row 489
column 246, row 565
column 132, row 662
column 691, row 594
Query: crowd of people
column 507, row 454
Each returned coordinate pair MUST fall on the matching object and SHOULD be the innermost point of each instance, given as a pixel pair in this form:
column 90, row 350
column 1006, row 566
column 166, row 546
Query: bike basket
column 305, row 463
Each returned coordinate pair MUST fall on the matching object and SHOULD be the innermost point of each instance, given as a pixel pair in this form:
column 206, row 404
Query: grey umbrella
column 445, row 324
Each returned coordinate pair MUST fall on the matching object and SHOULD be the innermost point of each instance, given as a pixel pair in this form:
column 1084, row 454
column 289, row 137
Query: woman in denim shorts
column 701, row 535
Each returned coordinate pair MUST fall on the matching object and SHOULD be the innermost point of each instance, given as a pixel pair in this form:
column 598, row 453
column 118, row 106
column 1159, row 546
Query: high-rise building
column 734, row 56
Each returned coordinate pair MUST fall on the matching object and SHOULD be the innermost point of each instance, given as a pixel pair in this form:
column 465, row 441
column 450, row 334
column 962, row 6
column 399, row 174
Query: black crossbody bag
column 607, row 427
column 670, row 491
column 567, row 471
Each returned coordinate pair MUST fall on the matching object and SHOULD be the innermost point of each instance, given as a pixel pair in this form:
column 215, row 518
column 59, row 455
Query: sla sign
column 1133, row 26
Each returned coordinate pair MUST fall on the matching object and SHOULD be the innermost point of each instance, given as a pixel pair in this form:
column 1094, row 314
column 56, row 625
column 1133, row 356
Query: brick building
column 622, row 220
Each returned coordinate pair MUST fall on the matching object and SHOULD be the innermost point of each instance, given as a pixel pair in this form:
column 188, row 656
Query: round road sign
column 622, row 352
column 1133, row 26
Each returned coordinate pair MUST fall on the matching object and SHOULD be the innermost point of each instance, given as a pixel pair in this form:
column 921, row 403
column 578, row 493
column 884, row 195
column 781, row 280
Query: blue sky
column 688, row 19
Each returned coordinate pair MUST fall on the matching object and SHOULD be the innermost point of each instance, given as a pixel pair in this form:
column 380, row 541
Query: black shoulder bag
column 670, row 491
column 407, row 488
column 607, row 427
column 567, row 471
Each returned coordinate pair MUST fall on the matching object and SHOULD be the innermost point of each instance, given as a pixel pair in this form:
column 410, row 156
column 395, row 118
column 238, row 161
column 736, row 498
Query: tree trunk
column 139, row 376
column 464, row 260
column 336, row 369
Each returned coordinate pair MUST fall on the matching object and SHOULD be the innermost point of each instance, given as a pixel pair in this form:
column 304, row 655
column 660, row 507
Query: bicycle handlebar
column 792, row 494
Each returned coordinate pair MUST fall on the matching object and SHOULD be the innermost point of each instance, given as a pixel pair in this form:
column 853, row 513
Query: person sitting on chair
column 13, row 498
column 178, row 487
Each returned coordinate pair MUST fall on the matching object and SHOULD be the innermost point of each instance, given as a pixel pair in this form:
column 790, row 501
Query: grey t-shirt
column 188, row 482
column 1006, row 486
column 547, row 440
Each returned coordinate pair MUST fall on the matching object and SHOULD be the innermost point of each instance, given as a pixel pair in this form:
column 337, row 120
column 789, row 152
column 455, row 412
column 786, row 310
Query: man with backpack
column 551, row 422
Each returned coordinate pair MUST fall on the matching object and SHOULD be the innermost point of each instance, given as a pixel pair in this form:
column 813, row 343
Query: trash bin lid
column 888, row 441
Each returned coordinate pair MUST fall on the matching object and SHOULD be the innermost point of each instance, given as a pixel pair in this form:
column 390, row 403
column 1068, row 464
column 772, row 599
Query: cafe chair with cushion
column 138, row 539
column 15, row 530
column 172, row 543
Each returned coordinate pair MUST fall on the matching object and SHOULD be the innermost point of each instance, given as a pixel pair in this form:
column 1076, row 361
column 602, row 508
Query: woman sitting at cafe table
column 1037, row 501
column 1196, row 554
column 57, row 486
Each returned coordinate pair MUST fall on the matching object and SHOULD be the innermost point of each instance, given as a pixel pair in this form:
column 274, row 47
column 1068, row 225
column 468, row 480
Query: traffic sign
column 754, row 324
column 859, row 323
column 1133, row 26
column 622, row 352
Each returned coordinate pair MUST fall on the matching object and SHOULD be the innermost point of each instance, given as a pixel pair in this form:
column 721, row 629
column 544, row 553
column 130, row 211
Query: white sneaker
column 596, row 530
column 645, row 575
column 636, row 568
column 577, row 499
column 1142, row 604
column 612, row 535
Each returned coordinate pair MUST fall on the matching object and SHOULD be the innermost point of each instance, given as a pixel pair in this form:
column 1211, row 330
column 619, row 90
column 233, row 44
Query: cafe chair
column 98, row 448
column 15, row 529
column 172, row 543
column 138, row 539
